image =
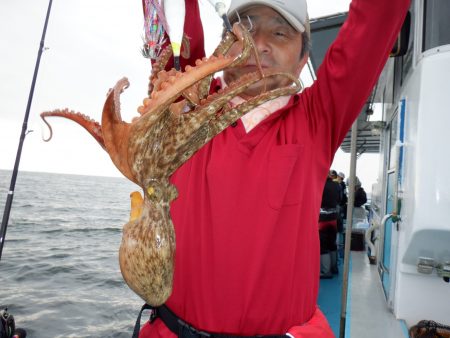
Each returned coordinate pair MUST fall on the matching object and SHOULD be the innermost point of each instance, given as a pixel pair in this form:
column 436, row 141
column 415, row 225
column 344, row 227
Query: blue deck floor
column 330, row 299
column 365, row 302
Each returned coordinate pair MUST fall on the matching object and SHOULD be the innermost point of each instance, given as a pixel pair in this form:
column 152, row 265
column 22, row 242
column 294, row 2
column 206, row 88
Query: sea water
column 59, row 271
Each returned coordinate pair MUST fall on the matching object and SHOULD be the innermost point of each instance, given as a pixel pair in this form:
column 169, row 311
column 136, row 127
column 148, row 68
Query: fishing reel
column 7, row 324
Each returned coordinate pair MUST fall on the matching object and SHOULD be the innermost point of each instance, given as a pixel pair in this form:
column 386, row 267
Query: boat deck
column 367, row 313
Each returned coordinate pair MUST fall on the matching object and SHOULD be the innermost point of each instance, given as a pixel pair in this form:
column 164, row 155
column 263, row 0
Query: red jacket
column 247, row 255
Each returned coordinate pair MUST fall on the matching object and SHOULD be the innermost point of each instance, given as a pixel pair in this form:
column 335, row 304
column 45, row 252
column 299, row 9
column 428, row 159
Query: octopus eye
column 151, row 191
column 154, row 193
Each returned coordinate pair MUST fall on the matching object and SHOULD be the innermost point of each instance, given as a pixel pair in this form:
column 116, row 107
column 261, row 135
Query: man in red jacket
column 247, row 256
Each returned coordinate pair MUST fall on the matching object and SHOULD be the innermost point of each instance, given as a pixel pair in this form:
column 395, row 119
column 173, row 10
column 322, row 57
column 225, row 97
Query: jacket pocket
column 284, row 176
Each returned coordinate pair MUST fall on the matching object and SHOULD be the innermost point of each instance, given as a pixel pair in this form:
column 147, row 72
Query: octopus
column 179, row 116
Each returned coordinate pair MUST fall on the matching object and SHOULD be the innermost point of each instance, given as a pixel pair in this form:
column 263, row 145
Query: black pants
column 327, row 235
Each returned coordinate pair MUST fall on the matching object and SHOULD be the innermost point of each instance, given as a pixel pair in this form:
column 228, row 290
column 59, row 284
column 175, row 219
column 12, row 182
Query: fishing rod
column 10, row 196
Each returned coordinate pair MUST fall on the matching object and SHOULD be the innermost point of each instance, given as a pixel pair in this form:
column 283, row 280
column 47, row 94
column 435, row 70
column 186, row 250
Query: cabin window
column 436, row 24
column 392, row 141
column 408, row 57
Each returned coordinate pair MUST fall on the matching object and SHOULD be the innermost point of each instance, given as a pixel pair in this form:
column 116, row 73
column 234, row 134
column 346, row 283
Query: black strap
column 169, row 318
column 184, row 330
column 137, row 326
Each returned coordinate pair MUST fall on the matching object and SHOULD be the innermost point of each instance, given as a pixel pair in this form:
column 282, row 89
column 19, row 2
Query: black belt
column 183, row 329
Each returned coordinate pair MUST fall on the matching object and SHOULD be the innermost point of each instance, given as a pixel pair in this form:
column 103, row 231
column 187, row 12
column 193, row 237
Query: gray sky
column 91, row 44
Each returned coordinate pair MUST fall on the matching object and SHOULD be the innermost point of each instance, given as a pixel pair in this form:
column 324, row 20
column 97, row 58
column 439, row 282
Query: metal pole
column 348, row 228
column 10, row 196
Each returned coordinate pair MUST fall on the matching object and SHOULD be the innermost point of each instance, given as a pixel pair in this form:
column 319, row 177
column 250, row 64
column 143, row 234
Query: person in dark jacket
column 331, row 198
column 360, row 196
column 360, row 193
column 342, row 207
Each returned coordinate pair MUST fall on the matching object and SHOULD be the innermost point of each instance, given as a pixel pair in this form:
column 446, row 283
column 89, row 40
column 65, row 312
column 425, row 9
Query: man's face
column 278, row 45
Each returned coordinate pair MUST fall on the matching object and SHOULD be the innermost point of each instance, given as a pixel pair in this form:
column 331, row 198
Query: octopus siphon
column 179, row 116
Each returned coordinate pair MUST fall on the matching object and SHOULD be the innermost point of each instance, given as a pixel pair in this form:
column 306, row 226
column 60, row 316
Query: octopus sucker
column 178, row 117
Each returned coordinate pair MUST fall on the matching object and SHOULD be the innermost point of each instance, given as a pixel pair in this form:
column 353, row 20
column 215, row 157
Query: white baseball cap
column 294, row 11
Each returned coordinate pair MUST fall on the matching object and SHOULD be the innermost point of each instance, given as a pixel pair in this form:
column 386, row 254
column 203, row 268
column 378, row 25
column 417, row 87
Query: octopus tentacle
column 200, row 89
column 115, row 130
column 229, row 115
column 160, row 64
column 137, row 204
column 241, row 35
column 162, row 80
column 196, row 119
column 181, row 81
column 93, row 127
column 223, row 47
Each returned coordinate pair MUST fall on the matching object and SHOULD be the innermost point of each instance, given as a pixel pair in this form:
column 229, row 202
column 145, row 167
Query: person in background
column 340, row 179
column 360, row 194
column 342, row 207
column 247, row 244
column 333, row 175
column 359, row 214
column 328, row 216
